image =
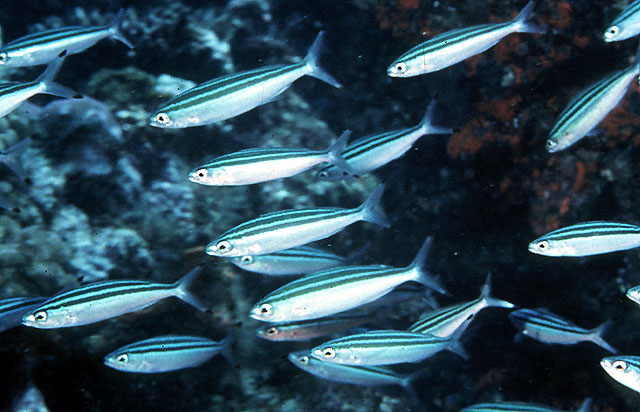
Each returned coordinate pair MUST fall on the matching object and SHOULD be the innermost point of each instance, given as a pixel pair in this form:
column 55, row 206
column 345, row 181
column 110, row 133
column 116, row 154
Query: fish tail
column 53, row 68
column 334, row 153
column 52, row 87
column 12, row 156
column 491, row 301
column 528, row 27
column 427, row 121
column 182, row 286
column 596, row 337
column 312, row 61
column 419, row 266
column 586, row 405
column 116, row 29
column 368, row 208
column 455, row 345
column 225, row 348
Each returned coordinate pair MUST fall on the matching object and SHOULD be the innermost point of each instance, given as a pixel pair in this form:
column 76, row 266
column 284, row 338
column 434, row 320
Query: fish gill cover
column 91, row 192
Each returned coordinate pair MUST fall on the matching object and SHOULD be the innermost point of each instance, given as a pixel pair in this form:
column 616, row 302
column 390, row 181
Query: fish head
column 162, row 119
column 222, row 247
column 408, row 68
column 622, row 369
column 119, row 360
column 269, row 332
column 208, row 176
column 301, row 358
column 329, row 352
column 42, row 318
column 4, row 58
column 615, row 33
column 634, row 294
column 244, row 261
column 545, row 247
column 263, row 311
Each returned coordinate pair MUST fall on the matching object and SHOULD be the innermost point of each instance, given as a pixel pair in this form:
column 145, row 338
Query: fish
column 252, row 166
column 298, row 260
column 624, row 369
column 99, row 301
column 294, row 227
column 234, row 94
column 166, row 353
column 634, row 294
column 371, row 152
column 12, row 94
column 587, row 239
column 544, row 326
column 310, row 329
column 45, row 46
column 444, row 322
column 356, row 375
column 519, row 407
column 454, row 46
column 337, row 290
column 626, row 25
column 385, row 347
column 13, row 309
column 590, row 107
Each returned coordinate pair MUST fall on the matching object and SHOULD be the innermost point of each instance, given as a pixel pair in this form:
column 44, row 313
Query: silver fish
column 519, row 407
column 626, row 25
column 234, row 94
column 624, row 369
column 45, row 46
column 310, row 329
column 290, row 228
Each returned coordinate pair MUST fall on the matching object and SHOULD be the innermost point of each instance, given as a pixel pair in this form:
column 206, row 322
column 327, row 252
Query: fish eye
column 543, row 245
column 202, row 173
column 122, row 359
column 223, row 246
column 246, row 259
column 304, row 360
column 3, row 57
column 620, row 365
column 329, row 353
column 41, row 316
column 272, row 331
column 613, row 30
column 551, row 144
column 162, row 118
column 401, row 67
column 265, row 309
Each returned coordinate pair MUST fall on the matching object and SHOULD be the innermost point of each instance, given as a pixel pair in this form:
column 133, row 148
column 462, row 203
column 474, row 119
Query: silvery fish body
column 455, row 46
column 634, row 294
column 295, row 227
column 586, row 239
column 338, row 290
column 371, row 152
column 13, row 94
column 295, row 261
column 384, row 347
column 357, row 375
column 519, row 407
column 13, row 309
column 252, row 166
column 99, row 301
column 309, row 329
column 234, row 94
column 544, row 326
column 624, row 369
column 590, row 107
column 45, row 46
column 446, row 321
column 626, row 25
column 164, row 354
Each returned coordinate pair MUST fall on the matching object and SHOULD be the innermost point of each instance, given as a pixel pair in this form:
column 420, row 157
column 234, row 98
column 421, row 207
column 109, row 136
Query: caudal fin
column 182, row 286
column 368, row 208
column 11, row 157
column 52, row 87
column 334, row 153
column 523, row 26
column 116, row 30
column 596, row 337
column 427, row 125
column 490, row 300
column 419, row 266
column 312, row 60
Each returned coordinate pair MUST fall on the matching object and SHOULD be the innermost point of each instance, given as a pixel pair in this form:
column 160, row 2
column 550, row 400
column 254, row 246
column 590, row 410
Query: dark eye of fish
column 247, row 259
column 41, row 316
column 272, row 331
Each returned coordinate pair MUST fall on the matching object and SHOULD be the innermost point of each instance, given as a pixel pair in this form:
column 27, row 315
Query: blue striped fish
column 385, row 347
column 45, row 46
column 586, row 239
column 294, row 227
column 590, row 107
column 624, row 369
column 234, row 94
column 13, row 309
column 519, row 407
column 340, row 289
column 457, row 45
column 309, row 329
column 371, row 152
column 295, row 261
column 14, row 93
column 98, row 301
column 165, row 353
column 251, row 166
column 626, row 25
column 357, row 375
column 544, row 326
column 446, row 321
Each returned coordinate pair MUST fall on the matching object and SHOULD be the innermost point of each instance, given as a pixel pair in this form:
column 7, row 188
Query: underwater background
column 106, row 196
